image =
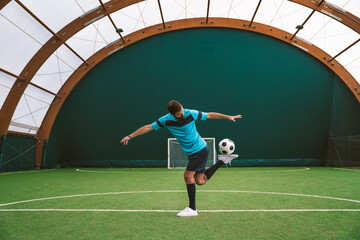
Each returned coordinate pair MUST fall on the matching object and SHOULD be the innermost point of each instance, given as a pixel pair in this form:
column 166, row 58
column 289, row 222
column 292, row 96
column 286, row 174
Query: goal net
column 343, row 152
column 178, row 159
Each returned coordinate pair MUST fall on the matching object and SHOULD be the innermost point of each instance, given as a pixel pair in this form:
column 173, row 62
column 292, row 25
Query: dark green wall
column 17, row 153
column 287, row 99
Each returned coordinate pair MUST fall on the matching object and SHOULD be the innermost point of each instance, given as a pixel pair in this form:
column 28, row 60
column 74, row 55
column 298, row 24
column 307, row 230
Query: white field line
column 348, row 169
column 177, row 191
column 209, row 211
column 270, row 171
column 33, row 171
column 134, row 172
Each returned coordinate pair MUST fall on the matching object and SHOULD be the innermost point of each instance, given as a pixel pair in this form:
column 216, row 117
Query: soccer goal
column 178, row 159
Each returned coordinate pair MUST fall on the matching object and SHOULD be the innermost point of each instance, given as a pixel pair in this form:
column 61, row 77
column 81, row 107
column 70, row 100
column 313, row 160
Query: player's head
column 176, row 109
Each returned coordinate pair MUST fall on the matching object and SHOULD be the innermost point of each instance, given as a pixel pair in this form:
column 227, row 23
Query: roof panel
column 38, row 94
column 66, row 56
column 219, row 8
column 174, row 10
column 88, row 5
column 128, row 19
column 242, row 9
column 4, row 91
column 17, row 44
column 6, row 80
column 52, row 74
column 107, row 31
column 150, row 12
column 350, row 59
column 196, row 8
column 6, row 83
column 31, row 107
column 289, row 15
column 15, row 14
column 352, row 6
column 57, row 69
column 56, row 14
column 327, row 34
column 22, row 113
column 268, row 11
column 40, row 114
column 92, row 38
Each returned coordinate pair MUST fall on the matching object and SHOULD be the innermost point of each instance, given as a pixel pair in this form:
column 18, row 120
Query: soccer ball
column 226, row 146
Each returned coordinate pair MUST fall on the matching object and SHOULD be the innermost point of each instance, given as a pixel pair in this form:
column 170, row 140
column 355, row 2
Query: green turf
column 318, row 181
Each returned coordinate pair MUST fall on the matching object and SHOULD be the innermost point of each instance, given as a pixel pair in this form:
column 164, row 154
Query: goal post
column 178, row 159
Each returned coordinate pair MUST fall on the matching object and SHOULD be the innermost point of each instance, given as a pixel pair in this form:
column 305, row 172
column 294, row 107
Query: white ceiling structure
column 21, row 37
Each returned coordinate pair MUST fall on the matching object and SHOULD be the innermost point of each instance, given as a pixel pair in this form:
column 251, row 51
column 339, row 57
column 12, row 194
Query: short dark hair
column 174, row 106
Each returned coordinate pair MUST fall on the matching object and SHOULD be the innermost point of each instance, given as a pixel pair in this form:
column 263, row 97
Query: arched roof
column 46, row 43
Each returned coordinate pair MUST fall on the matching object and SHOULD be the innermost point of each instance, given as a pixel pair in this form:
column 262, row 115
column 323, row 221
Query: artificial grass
column 165, row 225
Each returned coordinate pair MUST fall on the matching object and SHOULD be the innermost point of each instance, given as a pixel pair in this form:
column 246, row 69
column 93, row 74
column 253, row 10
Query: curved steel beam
column 4, row 3
column 102, row 54
column 334, row 12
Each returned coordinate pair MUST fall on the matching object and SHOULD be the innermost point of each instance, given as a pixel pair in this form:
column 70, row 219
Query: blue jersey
column 184, row 130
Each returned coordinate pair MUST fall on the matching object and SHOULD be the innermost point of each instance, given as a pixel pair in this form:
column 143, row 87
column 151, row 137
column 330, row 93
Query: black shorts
column 197, row 161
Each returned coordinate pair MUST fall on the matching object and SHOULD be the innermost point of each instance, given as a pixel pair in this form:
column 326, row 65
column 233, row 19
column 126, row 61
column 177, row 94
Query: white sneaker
column 227, row 158
column 187, row 212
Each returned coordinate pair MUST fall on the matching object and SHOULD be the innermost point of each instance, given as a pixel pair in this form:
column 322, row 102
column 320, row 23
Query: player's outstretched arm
column 214, row 115
column 140, row 131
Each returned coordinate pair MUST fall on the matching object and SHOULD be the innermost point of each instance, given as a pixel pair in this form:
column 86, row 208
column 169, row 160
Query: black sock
column 210, row 171
column 191, row 193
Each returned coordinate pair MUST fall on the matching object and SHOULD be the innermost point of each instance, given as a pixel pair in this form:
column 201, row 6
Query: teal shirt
column 184, row 130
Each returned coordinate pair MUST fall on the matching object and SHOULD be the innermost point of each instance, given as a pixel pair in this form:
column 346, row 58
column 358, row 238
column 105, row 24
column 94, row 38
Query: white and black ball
column 226, row 146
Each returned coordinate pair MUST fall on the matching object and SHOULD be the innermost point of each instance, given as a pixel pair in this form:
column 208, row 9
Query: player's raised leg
column 200, row 178
column 211, row 170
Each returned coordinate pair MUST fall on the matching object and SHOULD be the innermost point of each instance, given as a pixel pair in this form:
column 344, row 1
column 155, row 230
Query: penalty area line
column 165, row 211
column 178, row 191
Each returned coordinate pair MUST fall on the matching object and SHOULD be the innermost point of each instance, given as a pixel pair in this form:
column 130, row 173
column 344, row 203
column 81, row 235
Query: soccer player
column 181, row 123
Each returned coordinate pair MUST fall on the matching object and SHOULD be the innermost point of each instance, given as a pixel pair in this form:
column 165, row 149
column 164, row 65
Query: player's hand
column 125, row 140
column 232, row 118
